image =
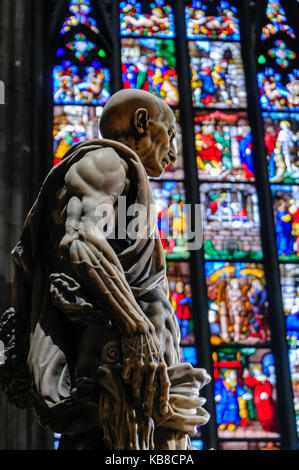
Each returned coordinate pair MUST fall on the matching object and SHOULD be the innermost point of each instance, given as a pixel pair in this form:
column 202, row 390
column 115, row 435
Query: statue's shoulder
column 97, row 169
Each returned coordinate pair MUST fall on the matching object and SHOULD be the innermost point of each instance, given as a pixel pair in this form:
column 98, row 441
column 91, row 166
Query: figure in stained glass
column 217, row 76
column 149, row 65
column 223, row 145
column 134, row 22
column 238, row 306
column 80, row 85
column 281, row 141
column 286, row 216
column 221, row 23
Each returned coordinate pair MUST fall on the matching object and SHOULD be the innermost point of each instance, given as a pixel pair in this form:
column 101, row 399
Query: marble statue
column 92, row 342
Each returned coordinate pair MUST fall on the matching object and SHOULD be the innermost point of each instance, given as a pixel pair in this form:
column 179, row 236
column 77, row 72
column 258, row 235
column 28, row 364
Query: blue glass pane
column 188, row 354
column 286, row 212
column 80, row 85
column 279, row 92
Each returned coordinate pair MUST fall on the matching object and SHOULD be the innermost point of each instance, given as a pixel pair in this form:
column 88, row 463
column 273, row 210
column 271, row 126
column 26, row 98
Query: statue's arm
column 95, row 183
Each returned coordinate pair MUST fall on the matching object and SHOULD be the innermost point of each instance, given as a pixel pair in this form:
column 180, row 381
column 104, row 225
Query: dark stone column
column 24, row 157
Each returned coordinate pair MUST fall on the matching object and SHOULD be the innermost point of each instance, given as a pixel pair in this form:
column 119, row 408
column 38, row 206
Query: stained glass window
column 73, row 124
column 217, row 75
column 285, row 206
column 239, row 326
column 237, row 297
column 289, row 274
column 207, row 21
column 181, row 299
column 157, row 23
column 169, row 197
column 238, row 303
column 281, row 141
column 277, row 21
column 223, row 146
column 81, row 77
column 245, row 393
column 231, row 221
column 279, row 90
column 149, row 64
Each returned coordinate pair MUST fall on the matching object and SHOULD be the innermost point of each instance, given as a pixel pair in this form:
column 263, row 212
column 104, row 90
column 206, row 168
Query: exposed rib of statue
column 93, row 339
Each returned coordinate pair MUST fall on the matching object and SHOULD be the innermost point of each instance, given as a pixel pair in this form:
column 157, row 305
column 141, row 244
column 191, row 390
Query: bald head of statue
column 144, row 123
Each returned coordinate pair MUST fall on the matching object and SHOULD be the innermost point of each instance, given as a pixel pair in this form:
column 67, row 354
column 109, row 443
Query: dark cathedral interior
column 228, row 70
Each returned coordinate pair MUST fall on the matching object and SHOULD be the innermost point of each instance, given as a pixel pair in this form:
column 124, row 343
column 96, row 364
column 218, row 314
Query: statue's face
column 158, row 145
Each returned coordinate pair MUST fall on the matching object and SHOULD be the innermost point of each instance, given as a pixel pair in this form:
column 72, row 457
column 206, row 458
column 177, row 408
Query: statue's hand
column 143, row 368
column 184, row 398
column 67, row 296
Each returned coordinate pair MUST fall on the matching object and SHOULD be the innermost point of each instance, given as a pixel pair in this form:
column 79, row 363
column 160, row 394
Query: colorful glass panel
column 188, row 354
column 81, row 85
column 281, row 141
column 223, row 146
column 279, row 92
column 217, row 75
column 149, row 64
column 289, row 276
column 245, row 393
column 294, row 369
column 196, row 444
column 281, row 54
column 249, row 445
column 286, row 217
column 80, row 10
column 178, row 275
column 73, row 124
column 238, row 305
column 231, row 222
column 81, row 46
column 169, row 198
column 156, row 24
column 207, row 21
column 278, row 21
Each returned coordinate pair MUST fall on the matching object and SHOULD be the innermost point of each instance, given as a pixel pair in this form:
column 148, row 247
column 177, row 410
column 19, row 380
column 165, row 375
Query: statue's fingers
column 164, row 389
column 202, row 376
column 148, row 435
column 127, row 369
column 133, row 431
column 150, row 390
column 137, row 378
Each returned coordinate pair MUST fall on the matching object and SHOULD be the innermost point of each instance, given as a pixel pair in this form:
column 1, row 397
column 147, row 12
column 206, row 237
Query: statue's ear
column 140, row 120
